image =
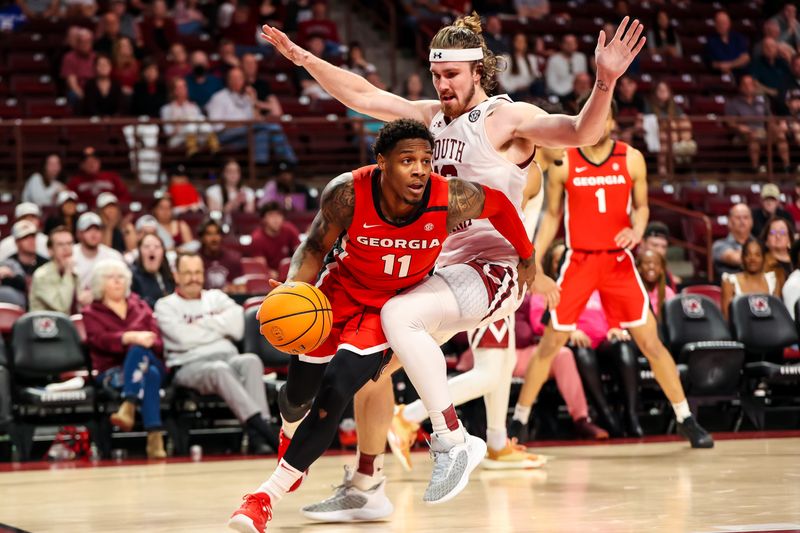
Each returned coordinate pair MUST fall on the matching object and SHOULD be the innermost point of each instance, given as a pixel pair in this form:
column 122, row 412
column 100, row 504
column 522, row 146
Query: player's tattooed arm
column 335, row 215
column 465, row 201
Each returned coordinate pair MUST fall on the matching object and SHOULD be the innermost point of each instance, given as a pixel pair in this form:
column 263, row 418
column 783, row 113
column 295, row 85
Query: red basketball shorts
column 355, row 327
column 614, row 275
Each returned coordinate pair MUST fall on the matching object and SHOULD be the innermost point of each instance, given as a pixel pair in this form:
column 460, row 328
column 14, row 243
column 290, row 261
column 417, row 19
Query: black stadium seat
column 763, row 324
column 43, row 346
column 697, row 336
column 255, row 343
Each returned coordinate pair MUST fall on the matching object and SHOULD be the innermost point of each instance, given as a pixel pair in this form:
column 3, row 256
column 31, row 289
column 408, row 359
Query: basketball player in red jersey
column 385, row 225
column 491, row 141
column 601, row 182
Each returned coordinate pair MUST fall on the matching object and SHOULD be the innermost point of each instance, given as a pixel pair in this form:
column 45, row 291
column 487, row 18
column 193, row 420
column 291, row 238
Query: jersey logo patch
column 615, row 166
column 368, row 226
column 474, row 115
column 580, row 169
column 429, row 226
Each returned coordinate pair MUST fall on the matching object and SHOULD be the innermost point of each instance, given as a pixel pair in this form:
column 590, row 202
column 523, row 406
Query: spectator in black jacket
column 149, row 93
column 152, row 276
column 102, row 95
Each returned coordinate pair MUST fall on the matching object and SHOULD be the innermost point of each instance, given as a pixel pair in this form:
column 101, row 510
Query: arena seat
column 763, row 324
column 697, row 336
column 254, row 265
column 9, row 314
column 24, row 85
column 32, row 62
column 45, row 345
column 254, row 342
column 713, row 292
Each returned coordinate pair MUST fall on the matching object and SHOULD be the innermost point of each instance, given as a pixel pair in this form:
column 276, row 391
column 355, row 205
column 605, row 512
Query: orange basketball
column 295, row 317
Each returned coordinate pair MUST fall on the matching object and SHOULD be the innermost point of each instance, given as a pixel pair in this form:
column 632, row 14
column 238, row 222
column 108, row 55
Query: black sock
column 259, row 426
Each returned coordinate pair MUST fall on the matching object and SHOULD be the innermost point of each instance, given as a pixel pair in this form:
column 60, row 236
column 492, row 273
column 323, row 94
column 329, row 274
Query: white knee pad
column 468, row 288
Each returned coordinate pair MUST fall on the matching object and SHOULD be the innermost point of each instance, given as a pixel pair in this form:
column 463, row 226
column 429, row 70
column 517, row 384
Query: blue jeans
column 139, row 378
column 264, row 135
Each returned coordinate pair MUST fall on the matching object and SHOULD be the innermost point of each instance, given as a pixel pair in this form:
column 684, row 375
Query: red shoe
column 283, row 445
column 253, row 515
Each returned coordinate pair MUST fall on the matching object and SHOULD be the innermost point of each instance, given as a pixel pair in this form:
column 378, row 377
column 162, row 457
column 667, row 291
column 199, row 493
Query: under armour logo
column 437, row 55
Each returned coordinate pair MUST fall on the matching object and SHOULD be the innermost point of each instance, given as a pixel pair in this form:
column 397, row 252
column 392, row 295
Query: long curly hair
column 466, row 32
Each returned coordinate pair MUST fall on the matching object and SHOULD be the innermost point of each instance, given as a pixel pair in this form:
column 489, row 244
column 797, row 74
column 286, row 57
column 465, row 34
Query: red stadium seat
column 33, row 62
column 23, row 85
column 712, row 291
column 254, row 265
column 9, row 313
column 255, row 283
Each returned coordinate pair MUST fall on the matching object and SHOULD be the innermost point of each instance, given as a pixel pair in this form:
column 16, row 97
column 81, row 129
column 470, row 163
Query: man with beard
column 89, row 249
column 221, row 265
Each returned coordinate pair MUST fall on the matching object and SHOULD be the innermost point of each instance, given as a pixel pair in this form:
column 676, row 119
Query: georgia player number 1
column 388, row 264
column 601, row 199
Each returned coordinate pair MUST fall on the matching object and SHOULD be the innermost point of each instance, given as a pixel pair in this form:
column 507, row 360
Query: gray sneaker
column 452, row 467
column 351, row 504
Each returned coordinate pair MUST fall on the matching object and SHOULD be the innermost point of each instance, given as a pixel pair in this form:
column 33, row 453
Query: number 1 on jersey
column 601, row 199
column 388, row 265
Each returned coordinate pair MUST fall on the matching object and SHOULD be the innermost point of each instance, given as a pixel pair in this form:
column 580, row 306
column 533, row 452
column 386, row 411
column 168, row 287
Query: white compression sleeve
column 407, row 320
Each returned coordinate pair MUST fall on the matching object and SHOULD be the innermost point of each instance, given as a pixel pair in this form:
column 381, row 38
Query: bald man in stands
column 727, row 252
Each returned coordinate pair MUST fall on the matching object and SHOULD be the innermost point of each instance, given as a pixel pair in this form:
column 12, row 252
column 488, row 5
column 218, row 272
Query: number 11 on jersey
column 388, row 265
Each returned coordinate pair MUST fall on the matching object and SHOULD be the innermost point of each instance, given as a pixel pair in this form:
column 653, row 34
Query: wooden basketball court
column 741, row 485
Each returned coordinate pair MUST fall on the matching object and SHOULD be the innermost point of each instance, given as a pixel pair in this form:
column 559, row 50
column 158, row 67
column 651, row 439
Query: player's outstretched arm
column 467, row 200
column 529, row 122
column 333, row 218
column 350, row 89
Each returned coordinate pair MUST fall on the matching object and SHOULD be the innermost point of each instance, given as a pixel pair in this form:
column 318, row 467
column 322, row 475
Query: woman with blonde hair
column 125, row 345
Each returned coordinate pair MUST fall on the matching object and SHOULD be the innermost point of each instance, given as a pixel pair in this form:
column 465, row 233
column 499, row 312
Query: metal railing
column 704, row 249
column 331, row 139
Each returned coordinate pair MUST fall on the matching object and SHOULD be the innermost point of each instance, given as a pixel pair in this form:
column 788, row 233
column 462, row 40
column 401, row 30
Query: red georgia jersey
column 598, row 199
column 377, row 258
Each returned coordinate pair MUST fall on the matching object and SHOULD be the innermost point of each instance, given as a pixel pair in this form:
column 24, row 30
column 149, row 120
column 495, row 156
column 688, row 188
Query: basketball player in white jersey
column 483, row 139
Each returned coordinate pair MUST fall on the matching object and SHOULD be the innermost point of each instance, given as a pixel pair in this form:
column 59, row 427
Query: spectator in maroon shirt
column 320, row 25
column 243, row 27
column 276, row 238
column 125, row 346
column 92, row 180
column 158, row 29
column 222, row 266
column 178, row 61
column 77, row 67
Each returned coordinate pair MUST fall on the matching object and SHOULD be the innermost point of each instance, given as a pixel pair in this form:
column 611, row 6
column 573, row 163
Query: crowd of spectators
column 152, row 287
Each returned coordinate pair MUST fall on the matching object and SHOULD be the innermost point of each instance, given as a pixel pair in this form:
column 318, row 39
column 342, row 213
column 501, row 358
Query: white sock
column 496, row 438
column 443, row 433
column 280, row 482
column 682, row 411
column 522, row 413
column 415, row 412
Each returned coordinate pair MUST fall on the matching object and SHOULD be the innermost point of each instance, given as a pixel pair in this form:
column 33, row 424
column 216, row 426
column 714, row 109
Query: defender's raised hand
column 613, row 59
column 284, row 45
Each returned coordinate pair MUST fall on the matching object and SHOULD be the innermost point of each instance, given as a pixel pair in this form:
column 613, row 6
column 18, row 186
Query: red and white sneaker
column 253, row 515
column 283, row 445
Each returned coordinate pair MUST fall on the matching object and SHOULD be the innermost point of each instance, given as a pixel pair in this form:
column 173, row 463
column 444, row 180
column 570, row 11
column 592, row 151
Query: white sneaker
column 452, row 467
column 351, row 504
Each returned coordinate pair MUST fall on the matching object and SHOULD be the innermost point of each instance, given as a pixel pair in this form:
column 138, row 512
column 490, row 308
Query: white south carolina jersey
column 463, row 150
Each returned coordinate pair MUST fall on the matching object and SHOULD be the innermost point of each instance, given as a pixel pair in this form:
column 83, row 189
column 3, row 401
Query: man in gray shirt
column 752, row 130
column 727, row 252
